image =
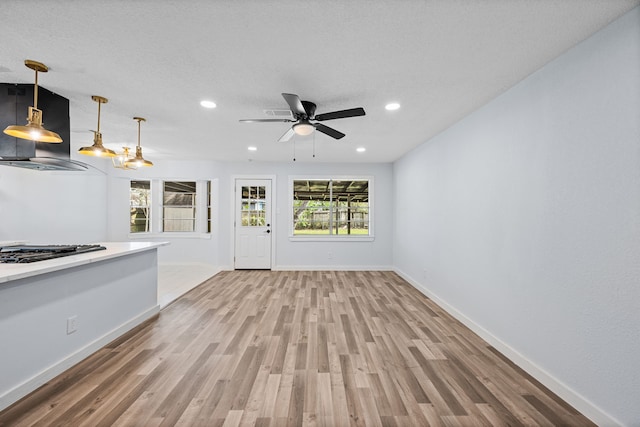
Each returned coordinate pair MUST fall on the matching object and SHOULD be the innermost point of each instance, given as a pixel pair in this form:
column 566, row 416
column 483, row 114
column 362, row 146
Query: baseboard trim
column 586, row 407
column 332, row 268
column 17, row 393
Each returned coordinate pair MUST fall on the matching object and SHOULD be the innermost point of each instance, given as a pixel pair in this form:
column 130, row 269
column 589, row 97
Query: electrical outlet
column 329, row 255
column 72, row 324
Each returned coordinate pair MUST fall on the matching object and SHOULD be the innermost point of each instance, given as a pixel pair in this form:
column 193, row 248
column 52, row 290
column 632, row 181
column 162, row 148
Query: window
column 331, row 207
column 179, row 206
column 183, row 209
column 139, row 206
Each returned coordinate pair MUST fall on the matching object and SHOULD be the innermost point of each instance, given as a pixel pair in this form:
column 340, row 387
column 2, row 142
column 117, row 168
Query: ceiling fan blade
column 342, row 114
column 287, row 135
column 266, row 121
column 329, row 131
column 294, row 103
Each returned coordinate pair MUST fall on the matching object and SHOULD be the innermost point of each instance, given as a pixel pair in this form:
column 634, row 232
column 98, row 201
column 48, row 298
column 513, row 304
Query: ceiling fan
column 304, row 113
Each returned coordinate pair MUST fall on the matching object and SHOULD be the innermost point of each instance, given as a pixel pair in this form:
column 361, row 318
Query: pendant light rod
column 100, row 100
column 36, row 67
column 35, row 89
column 97, row 149
column 139, row 119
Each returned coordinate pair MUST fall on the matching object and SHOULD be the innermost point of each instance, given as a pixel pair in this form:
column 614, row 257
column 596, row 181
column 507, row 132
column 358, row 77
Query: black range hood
column 15, row 99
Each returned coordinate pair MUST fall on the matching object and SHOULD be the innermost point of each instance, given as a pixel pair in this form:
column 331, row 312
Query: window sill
column 169, row 235
column 331, row 238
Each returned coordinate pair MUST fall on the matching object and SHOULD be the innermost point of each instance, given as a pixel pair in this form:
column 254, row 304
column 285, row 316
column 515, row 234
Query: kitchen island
column 55, row 313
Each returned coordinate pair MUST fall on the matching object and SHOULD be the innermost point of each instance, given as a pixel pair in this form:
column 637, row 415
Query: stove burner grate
column 21, row 254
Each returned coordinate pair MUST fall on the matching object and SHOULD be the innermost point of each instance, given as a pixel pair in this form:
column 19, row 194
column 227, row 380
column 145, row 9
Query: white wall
column 53, row 207
column 524, row 220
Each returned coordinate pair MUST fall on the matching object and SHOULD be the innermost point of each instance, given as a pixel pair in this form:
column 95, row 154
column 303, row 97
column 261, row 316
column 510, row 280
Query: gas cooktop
column 32, row 253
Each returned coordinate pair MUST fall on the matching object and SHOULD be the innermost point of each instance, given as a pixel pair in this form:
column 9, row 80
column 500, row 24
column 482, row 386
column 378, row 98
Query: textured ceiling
column 441, row 59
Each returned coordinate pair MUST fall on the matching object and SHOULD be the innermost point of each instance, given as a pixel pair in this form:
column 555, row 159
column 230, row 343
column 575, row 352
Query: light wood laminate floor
column 262, row 348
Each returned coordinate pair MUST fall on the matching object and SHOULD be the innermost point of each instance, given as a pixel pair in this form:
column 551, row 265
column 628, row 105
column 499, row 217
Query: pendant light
column 34, row 130
column 138, row 160
column 120, row 160
column 97, row 149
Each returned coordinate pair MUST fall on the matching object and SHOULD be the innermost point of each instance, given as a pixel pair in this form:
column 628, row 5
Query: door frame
column 274, row 211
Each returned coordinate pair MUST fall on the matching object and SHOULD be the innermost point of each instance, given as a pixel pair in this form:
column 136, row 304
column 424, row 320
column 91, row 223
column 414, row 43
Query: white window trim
column 151, row 210
column 334, row 237
column 156, row 209
column 170, row 234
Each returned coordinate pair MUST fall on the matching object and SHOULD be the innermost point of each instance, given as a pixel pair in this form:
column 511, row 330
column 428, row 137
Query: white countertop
column 12, row 242
column 9, row 272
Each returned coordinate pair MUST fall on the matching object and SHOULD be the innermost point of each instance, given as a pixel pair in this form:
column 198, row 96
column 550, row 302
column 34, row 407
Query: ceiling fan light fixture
column 303, row 128
column 138, row 160
column 33, row 130
column 97, row 149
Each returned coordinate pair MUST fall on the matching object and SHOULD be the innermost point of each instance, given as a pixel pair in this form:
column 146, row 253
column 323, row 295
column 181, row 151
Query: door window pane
column 253, row 206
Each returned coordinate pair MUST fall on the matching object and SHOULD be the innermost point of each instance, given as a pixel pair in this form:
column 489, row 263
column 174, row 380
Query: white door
column 253, row 224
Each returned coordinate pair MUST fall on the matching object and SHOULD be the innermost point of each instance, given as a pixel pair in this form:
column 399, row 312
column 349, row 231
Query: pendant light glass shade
column 34, row 130
column 138, row 160
column 97, row 149
column 120, row 160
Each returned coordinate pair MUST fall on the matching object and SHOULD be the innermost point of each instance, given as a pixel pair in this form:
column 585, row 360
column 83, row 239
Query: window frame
column 195, row 197
column 206, row 192
column 149, row 206
column 331, row 237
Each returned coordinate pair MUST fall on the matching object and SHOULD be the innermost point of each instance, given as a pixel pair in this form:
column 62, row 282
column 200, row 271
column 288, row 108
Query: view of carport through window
column 331, row 207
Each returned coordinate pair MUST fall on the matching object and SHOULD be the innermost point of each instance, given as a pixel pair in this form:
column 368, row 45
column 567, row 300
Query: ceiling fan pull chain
column 294, row 149
column 314, row 145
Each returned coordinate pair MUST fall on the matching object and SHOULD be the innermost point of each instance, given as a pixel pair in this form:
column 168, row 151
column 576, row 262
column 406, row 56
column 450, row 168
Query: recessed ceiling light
column 252, row 148
column 208, row 104
column 361, row 149
column 392, row 106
